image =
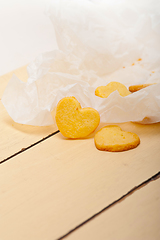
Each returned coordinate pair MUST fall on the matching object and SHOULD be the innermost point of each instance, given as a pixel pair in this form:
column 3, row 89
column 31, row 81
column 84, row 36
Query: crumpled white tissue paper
column 99, row 41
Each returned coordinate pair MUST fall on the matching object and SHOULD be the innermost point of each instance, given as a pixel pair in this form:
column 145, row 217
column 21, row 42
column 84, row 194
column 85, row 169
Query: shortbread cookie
column 105, row 91
column 74, row 121
column 136, row 88
column 111, row 138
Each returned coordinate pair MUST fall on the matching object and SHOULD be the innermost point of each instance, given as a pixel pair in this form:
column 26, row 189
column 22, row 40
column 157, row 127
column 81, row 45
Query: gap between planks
column 22, row 74
column 107, row 207
column 132, row 191
column 32, row 145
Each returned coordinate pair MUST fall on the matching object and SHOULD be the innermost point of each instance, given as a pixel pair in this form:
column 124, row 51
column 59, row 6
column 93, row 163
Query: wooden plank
column 15, row 137
column 54, row 186
column 137, row 217
column 21, row 73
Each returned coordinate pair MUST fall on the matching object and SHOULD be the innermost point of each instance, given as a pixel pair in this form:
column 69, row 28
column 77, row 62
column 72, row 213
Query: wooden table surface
column 55, row 188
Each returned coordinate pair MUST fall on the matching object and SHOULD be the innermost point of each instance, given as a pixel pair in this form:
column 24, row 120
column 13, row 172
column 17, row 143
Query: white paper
column 99, row 41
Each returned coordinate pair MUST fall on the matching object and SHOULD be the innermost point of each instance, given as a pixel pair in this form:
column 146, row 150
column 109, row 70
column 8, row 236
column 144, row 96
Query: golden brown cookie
column 111, row 138
column 135, row 88
column 105, row 91
column 74, row 121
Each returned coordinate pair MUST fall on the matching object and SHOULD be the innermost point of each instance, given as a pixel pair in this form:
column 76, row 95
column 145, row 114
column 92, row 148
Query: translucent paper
column 99, row 41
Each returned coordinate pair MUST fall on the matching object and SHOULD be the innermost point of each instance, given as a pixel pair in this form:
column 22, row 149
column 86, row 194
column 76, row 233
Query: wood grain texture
column 54, row 186
column 15, row 137
column 136, row 217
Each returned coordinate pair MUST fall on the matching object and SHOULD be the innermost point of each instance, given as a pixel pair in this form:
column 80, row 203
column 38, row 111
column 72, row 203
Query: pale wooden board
column 21, row 73
column 15, row 136
column 54, row 186
column 136, row 217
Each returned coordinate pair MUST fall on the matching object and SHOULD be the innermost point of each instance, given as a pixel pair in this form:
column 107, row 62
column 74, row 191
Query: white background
column 25, row 32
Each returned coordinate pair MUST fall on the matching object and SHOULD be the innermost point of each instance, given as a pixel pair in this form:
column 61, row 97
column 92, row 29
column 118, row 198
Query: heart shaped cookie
column 135, row 88
column 74, row 121
column 105, row 91
column 111, row 138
